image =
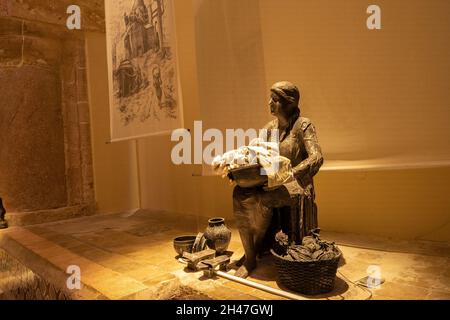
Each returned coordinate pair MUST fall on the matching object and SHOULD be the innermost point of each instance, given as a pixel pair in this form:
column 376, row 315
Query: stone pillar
column 45, row 150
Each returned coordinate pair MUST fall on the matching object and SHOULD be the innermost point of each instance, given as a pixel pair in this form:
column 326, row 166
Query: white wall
column 315, row 45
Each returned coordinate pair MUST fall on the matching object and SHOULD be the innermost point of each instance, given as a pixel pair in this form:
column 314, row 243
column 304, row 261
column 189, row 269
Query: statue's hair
column 288, row 92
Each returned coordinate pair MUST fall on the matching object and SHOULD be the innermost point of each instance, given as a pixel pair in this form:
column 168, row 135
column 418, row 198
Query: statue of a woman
column 298, row 142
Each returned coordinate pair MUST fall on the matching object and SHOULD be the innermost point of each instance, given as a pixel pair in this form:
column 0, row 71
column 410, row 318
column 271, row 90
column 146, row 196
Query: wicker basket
column 307, row 277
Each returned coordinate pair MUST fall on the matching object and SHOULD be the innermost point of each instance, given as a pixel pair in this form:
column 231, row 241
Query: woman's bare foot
column 244, row 271
column 240, row 262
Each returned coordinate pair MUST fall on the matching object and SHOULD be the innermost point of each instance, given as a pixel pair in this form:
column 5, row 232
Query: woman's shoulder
column 302, row 124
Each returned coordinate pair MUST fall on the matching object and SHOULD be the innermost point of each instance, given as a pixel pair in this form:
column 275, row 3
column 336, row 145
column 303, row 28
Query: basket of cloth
column 258, row 164
column 309, row 268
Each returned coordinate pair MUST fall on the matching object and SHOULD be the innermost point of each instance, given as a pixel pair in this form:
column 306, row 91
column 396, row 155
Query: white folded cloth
column 277, row 168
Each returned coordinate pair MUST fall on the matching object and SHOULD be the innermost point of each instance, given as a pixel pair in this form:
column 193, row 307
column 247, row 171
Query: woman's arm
column 311, row 165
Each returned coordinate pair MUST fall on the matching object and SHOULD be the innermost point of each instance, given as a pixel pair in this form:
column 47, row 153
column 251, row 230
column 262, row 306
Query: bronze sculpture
column 253, row 207
column 3, row 223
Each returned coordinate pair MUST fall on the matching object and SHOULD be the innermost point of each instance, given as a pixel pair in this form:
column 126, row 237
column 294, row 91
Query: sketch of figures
column 129, row 78
column 157, row 82
column 144, row 87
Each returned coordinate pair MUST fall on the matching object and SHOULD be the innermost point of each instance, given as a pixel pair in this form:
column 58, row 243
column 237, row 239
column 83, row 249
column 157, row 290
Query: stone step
column 51, row 261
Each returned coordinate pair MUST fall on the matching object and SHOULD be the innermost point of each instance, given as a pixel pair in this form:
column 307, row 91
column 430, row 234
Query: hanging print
column 144, row 90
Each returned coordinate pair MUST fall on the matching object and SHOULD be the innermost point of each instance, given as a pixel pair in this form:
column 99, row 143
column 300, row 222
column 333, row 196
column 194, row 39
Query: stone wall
column 45, row 148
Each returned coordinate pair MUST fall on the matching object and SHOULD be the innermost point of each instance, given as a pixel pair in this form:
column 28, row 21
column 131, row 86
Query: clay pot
column 217, row 235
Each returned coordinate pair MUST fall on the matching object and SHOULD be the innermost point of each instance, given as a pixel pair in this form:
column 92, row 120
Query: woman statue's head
column 284, row 100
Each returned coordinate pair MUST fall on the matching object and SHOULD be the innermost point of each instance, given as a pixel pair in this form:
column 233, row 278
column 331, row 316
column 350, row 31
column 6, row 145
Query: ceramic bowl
column 183, row 244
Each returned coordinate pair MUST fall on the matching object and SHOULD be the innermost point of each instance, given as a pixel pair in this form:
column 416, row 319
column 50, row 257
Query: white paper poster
column 144, row 87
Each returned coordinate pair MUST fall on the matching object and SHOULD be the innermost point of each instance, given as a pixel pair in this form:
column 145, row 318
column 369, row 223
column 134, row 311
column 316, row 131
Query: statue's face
column 275, row 105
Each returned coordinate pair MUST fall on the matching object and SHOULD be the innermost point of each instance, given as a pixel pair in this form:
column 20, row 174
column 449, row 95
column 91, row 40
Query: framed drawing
column 144, row 88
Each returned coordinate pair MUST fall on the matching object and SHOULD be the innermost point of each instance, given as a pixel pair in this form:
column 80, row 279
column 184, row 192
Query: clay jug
column 217, row 235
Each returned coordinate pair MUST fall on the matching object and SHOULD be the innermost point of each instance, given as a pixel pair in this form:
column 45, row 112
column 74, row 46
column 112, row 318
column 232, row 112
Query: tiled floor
column 124, row 256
